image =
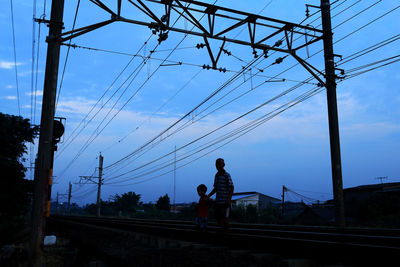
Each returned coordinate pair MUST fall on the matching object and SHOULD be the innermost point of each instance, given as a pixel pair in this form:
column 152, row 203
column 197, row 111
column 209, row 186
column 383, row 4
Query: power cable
column 353, row 32
column 155, row 112
column 91, row 139
column 266, row 118
column 368, row 50
column 182, row 118
column 215, row 130
column 68, row 140
column 15, row 56
column 37, row 63
column 66, row 57
column 190, row 113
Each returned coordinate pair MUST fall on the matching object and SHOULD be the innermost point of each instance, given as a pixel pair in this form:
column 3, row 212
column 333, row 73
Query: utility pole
column 174, row 178
column 381, row 178
column 69, row 197
column 57, row 204
column 283, row 200
column 332, row 113
column 43, row 167
column 99, row 185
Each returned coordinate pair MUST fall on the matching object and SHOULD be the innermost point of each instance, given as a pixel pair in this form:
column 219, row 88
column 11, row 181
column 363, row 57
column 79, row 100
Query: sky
column 135, row 110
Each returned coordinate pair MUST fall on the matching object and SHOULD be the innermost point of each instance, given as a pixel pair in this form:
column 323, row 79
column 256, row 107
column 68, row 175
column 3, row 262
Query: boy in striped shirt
column 223, row 187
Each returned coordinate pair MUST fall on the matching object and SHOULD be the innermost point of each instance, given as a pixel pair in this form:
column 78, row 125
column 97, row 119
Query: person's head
column 220, row 164
column 202, row 189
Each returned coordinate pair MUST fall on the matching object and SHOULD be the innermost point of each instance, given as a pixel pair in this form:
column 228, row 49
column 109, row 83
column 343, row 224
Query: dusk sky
column 120, row 105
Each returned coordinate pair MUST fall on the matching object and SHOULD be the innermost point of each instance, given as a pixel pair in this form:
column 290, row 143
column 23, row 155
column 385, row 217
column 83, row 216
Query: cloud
column 27, row 73
column 11, row 97
column 37, row 93
column 371, row 130
column 8, row 64
column 9, row 86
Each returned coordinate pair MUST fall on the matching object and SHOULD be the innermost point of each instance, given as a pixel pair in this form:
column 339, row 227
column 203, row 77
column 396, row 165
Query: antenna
column 381, row 178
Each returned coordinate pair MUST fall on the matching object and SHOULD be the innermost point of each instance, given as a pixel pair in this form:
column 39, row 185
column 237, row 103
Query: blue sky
column 291, row 149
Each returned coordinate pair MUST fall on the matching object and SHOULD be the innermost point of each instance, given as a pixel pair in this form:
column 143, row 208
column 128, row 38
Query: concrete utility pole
column 69, row 197
column 99, row 185
column 174, row 178
column 332, row 113
column 57, row 204
column 283, row 199
column 43, row 167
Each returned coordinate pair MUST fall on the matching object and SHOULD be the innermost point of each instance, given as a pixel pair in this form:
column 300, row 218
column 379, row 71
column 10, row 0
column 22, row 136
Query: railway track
column 353, row 246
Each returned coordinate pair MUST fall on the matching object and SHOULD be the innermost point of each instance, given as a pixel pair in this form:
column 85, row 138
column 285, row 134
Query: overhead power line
column 284, row 71
column 66, row 57
column 15, row 56
column 288, row 105
column 97, row 131
column 86, row 122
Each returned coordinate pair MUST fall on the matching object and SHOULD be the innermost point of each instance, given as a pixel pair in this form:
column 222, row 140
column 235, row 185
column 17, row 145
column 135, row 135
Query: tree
column 15, row 191
column 127, row 202
column 163, row 203
column 251, row 213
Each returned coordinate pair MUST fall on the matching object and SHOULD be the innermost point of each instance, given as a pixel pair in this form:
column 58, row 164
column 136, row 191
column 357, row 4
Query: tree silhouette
column 127, row 202
column 163, row 203
column 15, row 191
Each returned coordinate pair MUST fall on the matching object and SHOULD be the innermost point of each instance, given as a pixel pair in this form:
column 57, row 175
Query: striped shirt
column 223, row 185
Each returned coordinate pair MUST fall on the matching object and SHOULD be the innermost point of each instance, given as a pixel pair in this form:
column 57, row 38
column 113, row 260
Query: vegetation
column 15, row 190
column 163, row 203
column 380, row 211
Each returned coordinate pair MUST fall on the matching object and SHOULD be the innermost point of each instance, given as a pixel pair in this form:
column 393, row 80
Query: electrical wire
column 320, row 90
column 368, row 50
column 66, row 57
column 248, row 129
column 91, row 139
column 182, row 118
column 189, row 113
column 15, row 56
column 370, row 22
column 69, row 140
column 215, row 130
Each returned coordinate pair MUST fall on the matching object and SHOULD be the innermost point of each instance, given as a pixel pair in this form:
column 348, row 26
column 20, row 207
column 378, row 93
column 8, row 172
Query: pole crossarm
column 77, row 32
column 88, row 178
column 261, row 29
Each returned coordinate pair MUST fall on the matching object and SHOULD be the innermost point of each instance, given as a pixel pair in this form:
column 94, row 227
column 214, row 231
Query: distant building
column 355, row 197
column 259, row 200
column 179, row 206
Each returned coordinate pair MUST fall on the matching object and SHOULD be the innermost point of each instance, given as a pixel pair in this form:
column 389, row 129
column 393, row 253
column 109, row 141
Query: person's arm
column 211, row 193
column 230, row 195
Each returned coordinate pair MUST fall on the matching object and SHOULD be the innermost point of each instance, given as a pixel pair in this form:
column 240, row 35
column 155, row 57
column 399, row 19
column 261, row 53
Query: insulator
column 278, row 60
column 162, row 37
column 198, row 46
column 255, row 53
column 278, row 43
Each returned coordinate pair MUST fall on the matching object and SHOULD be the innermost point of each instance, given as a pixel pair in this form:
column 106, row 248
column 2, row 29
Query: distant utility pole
column 174, row 179
column 381, row 178
column 332, row 113
column 69, row 197
column 99, row 185
column 283, row 199
column 43, row 167
column 57, row 204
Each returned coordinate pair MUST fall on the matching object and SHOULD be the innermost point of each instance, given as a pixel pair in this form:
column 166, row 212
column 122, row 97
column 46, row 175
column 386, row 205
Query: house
column 259, row 200
column 317, row 214
column 355, row 197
